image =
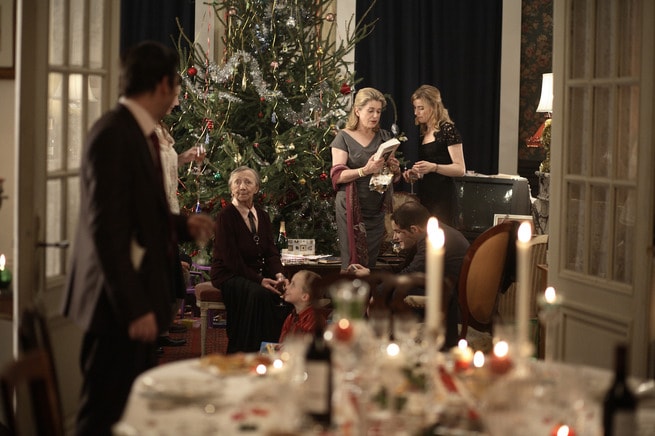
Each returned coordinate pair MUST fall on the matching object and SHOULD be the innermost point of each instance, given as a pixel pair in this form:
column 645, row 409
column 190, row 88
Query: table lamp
column 541, row 138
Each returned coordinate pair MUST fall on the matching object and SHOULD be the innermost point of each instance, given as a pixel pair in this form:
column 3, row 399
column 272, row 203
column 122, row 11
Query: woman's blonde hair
column 362, row 98
column 431, row 96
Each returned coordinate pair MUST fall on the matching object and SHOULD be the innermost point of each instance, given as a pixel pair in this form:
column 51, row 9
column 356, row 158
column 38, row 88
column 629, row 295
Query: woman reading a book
column 360, row 206
column 441, row 155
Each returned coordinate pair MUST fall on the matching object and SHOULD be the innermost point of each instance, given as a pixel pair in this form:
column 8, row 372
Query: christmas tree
column 273, row 103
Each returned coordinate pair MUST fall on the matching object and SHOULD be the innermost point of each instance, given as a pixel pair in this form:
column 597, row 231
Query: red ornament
column 323, row 176
column 256, row 145
column 210, row 123
column 262, row 99
column 223, row 203
column 345, row 89
column 192, row 71
column 260, row 115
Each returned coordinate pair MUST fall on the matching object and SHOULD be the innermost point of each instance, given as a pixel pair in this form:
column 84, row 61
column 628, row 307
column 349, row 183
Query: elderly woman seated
column 247, row 268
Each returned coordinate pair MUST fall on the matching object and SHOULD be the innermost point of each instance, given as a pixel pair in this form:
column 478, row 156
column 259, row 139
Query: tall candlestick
column 523, row 279
column 434, row 275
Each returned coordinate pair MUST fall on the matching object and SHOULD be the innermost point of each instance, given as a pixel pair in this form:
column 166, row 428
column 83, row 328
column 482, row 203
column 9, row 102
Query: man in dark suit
column 410, row 230
column 123, row 274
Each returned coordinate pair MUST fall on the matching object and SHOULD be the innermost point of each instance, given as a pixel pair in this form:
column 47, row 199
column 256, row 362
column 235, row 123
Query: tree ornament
column 319, row 51
column 232, row 11
column 291, row 22
column 256, row 145
column 345, row 89
column 273, row 117
column 323, row 176
column 262, row 99
column 302, row 182
column 330, row 17
column 275, row 65
column 223, row 203
column 217, row 176
column 260, row 115
column 192, row 71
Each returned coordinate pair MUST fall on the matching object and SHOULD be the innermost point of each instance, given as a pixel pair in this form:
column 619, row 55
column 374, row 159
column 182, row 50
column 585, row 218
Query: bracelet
column 360, row 171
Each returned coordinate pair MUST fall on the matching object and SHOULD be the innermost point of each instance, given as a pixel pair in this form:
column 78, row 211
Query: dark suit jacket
column 236, row 253
column 122, row 206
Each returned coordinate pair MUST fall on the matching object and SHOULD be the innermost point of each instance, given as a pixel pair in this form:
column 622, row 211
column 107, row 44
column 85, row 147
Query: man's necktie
column 156, row 156
column 253, row 226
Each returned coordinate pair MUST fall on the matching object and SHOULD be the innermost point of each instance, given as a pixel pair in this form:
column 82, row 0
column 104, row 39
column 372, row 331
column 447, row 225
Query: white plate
column 180, row 387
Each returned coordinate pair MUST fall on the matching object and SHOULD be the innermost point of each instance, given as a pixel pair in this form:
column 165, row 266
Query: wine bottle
column 318, row 386
column 620, row 404
column 282, row 241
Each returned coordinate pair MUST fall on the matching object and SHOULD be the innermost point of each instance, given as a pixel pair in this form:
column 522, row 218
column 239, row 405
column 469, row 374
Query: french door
column 66, row 77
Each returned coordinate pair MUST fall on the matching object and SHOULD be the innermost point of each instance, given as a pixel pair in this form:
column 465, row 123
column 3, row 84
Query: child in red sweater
column 301, row 293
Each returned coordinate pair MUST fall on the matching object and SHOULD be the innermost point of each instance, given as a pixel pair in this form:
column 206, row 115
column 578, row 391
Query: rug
column 216, row 341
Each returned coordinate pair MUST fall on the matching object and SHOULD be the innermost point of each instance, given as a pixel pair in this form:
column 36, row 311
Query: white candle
column 523, row 281
column 434, row 275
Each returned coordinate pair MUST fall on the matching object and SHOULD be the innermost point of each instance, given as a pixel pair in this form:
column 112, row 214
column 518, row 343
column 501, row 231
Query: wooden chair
column 507, row 301
column 207, row 297
column 484, row 275
column 32, row 373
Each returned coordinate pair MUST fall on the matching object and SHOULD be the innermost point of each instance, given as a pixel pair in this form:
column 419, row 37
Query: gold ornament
column 302, row 181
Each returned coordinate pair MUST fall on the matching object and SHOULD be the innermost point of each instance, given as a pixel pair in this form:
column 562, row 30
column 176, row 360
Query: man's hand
column 201, row 227
column 358, row 270
column 144, row 328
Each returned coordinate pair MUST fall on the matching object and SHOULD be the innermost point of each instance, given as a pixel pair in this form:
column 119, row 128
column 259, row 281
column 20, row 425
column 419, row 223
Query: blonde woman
column 440, row 154
column 360, row 210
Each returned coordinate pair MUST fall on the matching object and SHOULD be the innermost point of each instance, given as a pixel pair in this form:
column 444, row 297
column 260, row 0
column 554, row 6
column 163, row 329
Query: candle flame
column 393, row 349
column 525, row 231
column 550, row 295
column 436, row 236
column 478, row 359
column 433, row 225
column 501, row 349
column 462, row 344
column 2, row 262
column 564, row 430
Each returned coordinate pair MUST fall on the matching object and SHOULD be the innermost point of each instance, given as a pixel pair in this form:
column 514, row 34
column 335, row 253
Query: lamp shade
column 546, row 100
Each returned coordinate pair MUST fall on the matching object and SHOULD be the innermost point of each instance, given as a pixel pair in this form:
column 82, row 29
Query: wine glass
column 413, row 177
column 280, row 287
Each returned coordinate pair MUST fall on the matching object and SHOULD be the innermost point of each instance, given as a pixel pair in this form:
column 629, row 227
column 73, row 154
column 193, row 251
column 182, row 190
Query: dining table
column 376, row 392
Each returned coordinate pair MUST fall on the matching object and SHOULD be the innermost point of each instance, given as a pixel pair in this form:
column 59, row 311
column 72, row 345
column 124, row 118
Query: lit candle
column 463, row 355
column 550, row 299
column 5, row 274
column 478, row 359
column 434, row 275
column 562, row 430
column 500, row 362
column 523, row 279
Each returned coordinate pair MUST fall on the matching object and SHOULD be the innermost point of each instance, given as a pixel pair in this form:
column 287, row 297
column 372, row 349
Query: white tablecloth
column 183, row 398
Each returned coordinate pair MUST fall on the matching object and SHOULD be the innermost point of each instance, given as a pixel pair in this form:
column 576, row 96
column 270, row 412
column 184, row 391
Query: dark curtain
column 155, row 20
column 454, row 45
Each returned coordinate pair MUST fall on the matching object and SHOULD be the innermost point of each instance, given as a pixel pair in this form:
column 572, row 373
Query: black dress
column 436, row 191
column 239, row 264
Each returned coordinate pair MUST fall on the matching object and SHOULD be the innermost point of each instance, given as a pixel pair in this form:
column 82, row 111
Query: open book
column 387, row 148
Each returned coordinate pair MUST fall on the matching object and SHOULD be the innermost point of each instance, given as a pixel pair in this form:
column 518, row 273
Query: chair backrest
column 32, row 373
column 507, row 301
column 483, row 275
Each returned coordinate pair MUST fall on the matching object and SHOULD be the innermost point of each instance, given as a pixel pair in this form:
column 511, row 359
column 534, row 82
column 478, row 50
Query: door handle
column 59, row 244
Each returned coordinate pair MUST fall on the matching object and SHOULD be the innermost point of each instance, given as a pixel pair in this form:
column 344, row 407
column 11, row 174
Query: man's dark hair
column 144, row 65
column 410, row 214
